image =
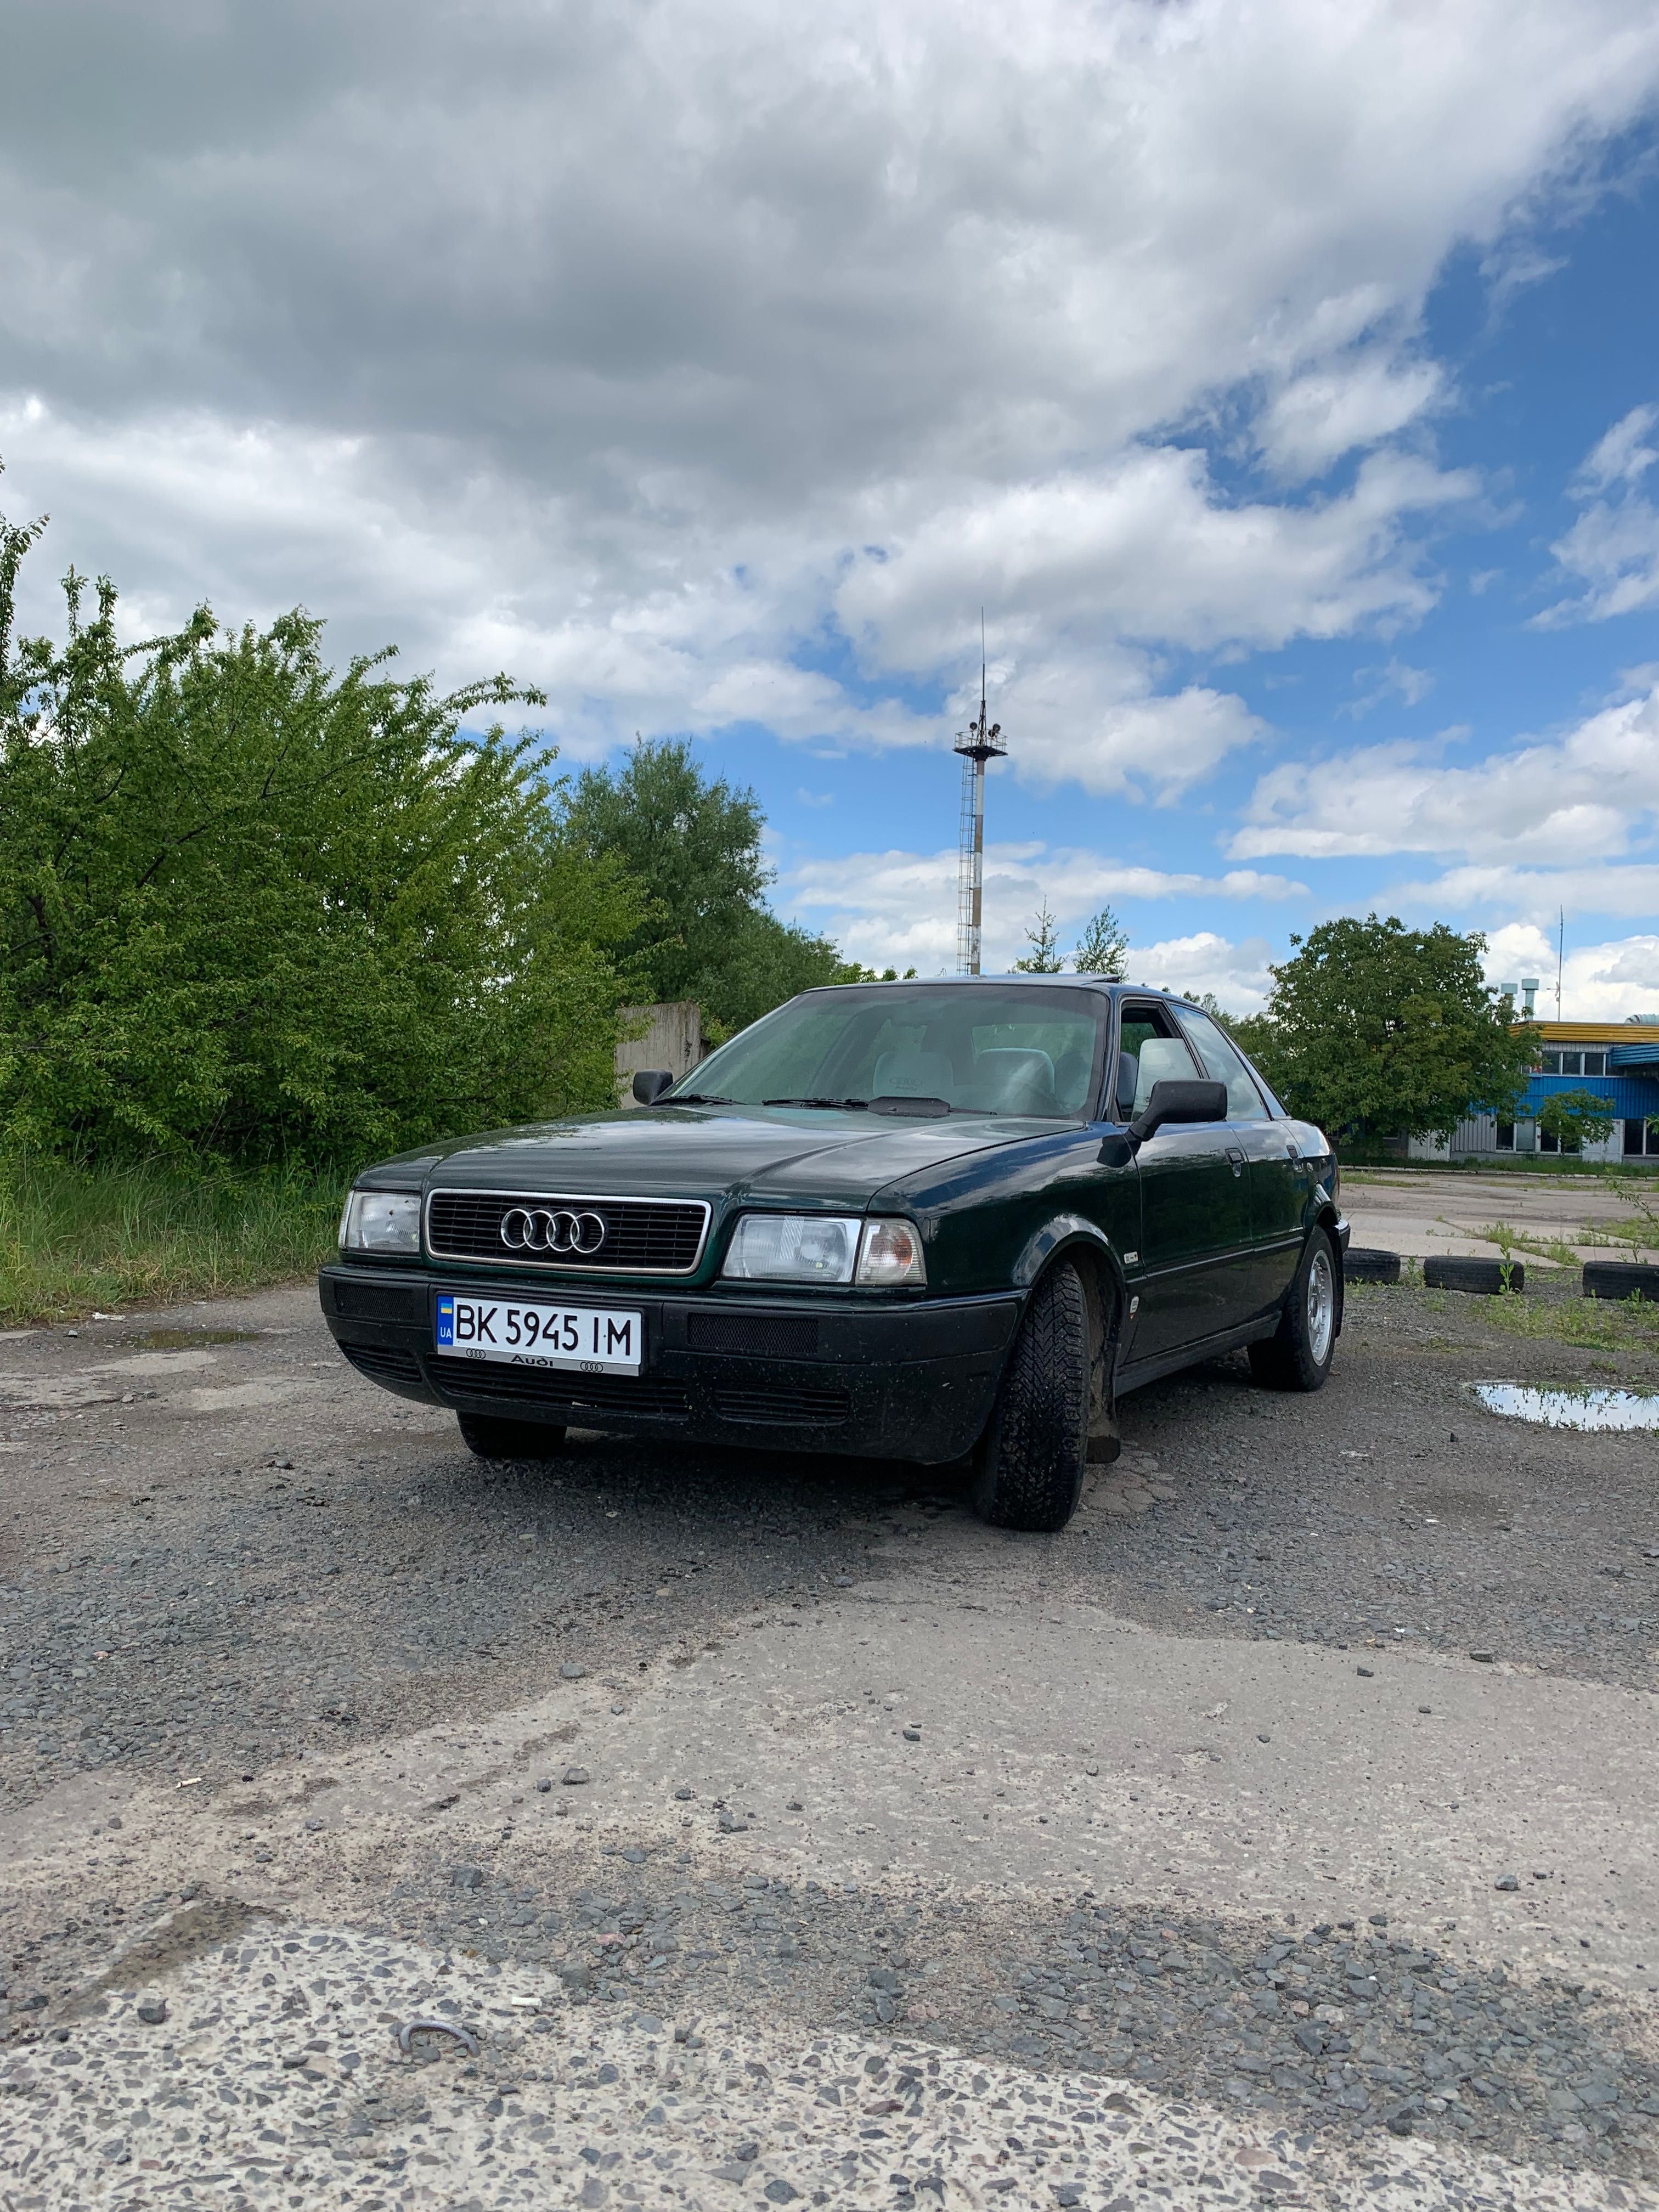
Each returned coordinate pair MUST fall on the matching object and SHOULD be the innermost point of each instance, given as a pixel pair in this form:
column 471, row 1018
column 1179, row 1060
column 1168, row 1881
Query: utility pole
column 980, row 742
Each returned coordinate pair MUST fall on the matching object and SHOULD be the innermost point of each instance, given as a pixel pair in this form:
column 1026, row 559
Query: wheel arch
column 1073, row 1239
column 1330, row 1220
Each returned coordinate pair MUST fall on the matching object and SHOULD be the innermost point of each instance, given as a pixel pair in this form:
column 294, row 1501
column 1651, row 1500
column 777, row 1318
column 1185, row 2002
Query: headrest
column 1162, row 1059
column 912, row 1075
column 1011, row 1080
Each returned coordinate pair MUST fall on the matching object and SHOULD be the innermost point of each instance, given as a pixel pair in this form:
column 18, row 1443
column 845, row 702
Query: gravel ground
column 286, row 2066
column 225, row 1561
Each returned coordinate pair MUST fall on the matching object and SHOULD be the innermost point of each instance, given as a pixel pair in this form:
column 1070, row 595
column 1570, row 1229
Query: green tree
column 255, row 908
column 1576, row 1118
column 1103, row 945
column 1377, row 1028
column 696, row 845
column 1042, row 937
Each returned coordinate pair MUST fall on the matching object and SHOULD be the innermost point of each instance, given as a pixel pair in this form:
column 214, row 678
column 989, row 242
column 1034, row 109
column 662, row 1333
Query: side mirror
column 650, row 1083
column 1178, row 1099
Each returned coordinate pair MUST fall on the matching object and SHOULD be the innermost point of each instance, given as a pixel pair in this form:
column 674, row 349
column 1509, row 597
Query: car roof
column 1105, row 984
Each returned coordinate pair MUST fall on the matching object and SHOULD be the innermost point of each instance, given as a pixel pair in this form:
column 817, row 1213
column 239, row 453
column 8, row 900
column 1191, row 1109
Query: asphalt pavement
column 772, row 1831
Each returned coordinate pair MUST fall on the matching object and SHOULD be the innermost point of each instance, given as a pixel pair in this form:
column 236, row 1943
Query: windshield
column 972, row 1049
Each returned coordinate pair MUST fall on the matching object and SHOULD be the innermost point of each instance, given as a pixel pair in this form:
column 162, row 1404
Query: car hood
column 773, row 1155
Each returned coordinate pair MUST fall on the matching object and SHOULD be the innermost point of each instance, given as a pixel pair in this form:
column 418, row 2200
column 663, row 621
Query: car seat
column 1009, row 1080
column 906, row 1074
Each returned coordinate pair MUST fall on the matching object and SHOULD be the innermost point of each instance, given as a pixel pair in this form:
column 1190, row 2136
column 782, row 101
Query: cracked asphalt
column 1298, row 1798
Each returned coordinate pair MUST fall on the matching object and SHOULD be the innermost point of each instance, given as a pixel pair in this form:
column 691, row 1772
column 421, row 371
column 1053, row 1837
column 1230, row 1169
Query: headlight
column 792, row 1248
column 891, row 1253
column 381, row 1221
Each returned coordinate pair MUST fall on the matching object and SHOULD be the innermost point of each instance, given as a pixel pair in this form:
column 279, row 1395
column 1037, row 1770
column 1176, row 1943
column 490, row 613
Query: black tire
column 1028, row 1468
column 1362, row 1264
column 492, row 1438
column 1483, row 1278
column 1621, row 1278
column 1299, row 1358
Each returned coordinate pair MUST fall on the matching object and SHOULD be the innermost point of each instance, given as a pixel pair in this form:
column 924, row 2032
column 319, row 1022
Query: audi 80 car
column 943, row 1222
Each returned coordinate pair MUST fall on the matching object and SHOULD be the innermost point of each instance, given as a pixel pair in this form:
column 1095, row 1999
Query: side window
column 1148, row 1049
column 1223, row 1065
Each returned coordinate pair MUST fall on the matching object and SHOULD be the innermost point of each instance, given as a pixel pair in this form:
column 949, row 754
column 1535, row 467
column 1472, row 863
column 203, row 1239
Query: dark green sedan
column 940, row 1222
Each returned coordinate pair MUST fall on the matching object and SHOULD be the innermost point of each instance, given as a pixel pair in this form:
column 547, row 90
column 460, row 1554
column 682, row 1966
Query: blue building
column 1615, row 1060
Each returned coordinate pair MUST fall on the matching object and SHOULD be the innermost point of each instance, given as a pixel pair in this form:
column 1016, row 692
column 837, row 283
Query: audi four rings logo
column 538, row 1229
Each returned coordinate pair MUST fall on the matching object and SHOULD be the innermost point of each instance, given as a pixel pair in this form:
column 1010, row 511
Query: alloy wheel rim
column 1321, row 1307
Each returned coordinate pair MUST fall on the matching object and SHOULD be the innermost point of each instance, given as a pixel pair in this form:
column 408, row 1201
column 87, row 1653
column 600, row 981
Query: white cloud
column 1583, row 797
column 1538, row 894
column 900, row 909
column 1147, row 538
column 1397, row 680
column 1236, row 975
column 1318, row 418
column 604, row 344
column 1613, row 546
column 1599, row 982
column 1623, row 454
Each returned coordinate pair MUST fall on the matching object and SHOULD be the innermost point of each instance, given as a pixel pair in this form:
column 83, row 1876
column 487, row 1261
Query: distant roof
column 1569, row 1032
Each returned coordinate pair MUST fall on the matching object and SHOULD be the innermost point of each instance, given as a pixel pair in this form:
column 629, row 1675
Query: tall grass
column 73, row 1239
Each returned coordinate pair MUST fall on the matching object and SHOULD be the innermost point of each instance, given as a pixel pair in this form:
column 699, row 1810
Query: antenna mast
column 1560, row 960
column 980, row 742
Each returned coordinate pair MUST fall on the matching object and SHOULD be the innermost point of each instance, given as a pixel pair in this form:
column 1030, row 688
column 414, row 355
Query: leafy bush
column 254, row 909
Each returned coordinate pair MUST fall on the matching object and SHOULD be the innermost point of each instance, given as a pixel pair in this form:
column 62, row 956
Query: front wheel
column 1028, row 1469
column 1299, row 1358
column 497, row 1439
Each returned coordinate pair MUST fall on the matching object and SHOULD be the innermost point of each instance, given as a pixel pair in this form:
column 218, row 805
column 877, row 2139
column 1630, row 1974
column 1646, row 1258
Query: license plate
column 593, row 1341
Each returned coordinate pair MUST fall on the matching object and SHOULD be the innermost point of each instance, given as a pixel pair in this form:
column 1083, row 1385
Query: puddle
column 186, row 1340
column 1569, row 1408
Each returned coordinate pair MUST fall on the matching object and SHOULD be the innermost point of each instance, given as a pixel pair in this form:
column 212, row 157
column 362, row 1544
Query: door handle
column 1238, row 1158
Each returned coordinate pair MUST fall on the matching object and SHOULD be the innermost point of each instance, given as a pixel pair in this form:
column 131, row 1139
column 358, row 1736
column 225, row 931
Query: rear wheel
column 496, row 1439
column 1028, row 1469
column 1299, row 1358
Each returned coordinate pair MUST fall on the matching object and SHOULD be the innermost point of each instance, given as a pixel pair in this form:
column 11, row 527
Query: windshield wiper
column 856, row 1105
column 699, row 1098
column 922, row 1109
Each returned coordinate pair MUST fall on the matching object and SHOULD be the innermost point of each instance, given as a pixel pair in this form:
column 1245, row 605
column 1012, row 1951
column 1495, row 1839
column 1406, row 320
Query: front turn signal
column 890, row 1255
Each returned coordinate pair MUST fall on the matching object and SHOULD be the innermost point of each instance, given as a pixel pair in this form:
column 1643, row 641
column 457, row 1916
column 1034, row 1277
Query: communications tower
column 980, row 742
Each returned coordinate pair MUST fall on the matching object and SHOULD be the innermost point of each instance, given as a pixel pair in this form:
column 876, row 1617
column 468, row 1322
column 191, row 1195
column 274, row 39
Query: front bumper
column 910, row 1380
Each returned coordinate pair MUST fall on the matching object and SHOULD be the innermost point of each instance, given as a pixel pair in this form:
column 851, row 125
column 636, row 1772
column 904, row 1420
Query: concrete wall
column 673, row 1039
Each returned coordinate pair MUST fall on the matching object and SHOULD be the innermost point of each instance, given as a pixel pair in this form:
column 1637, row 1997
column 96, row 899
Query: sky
column 1281, row 378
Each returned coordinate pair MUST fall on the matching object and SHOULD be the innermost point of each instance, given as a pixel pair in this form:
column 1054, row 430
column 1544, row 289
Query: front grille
column 796, row 1407
column 762, row 1336
column 550, row 1386
column 642, row 1236
column 377, row 1300
column 384, row 1362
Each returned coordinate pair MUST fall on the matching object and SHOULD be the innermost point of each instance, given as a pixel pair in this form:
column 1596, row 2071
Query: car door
column 1277, row 1177
column 1193, row 1272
